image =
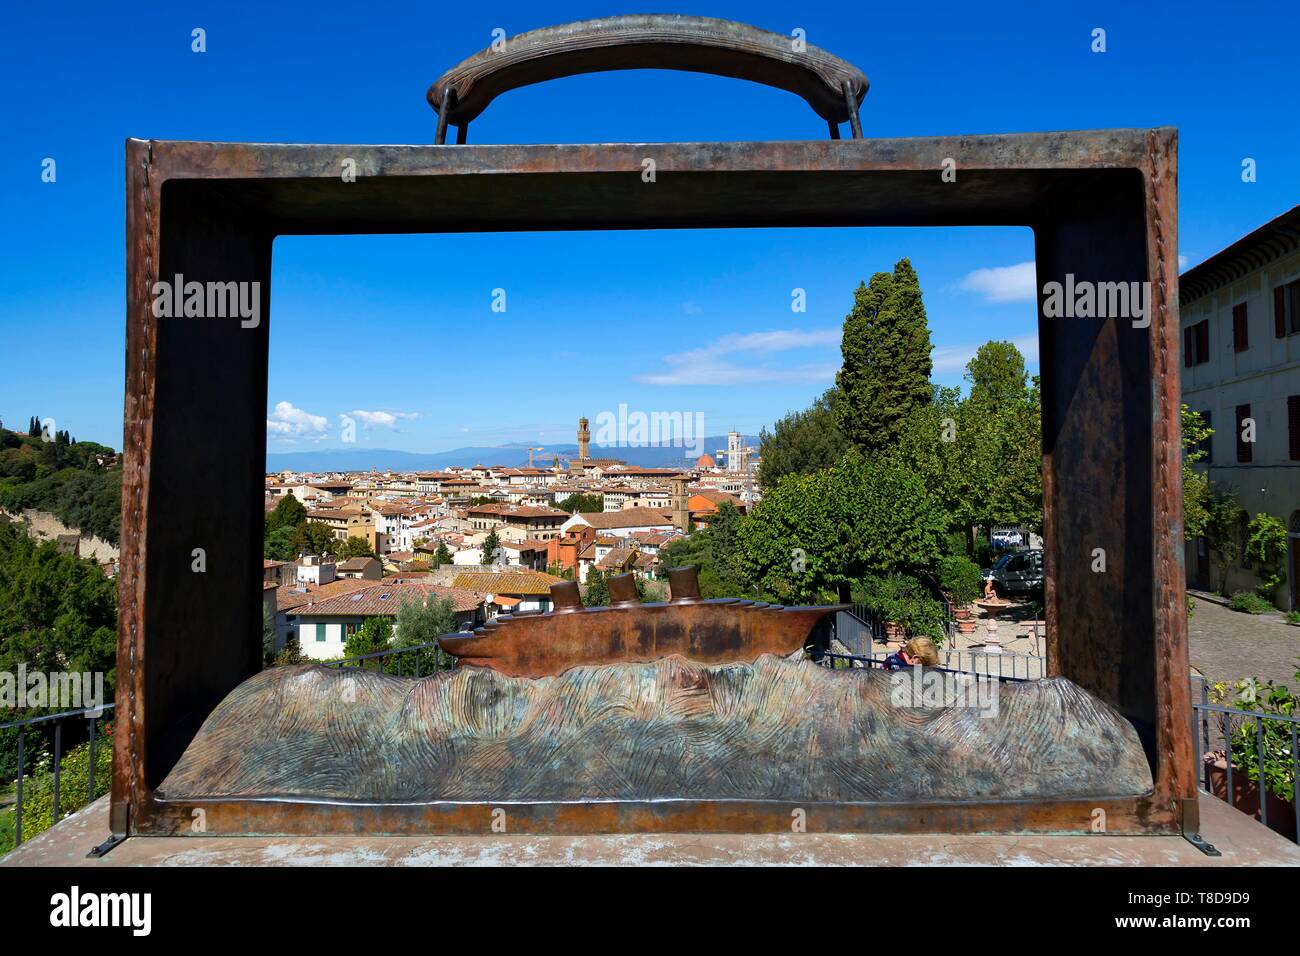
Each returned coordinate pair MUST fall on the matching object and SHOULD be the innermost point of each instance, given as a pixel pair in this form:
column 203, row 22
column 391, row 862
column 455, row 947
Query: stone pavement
column 1229, row 645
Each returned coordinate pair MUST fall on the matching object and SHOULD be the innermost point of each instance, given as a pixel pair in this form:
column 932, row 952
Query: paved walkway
column 1228, row 645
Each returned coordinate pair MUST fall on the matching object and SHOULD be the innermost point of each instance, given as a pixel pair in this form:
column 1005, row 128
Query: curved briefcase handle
column 831, row 86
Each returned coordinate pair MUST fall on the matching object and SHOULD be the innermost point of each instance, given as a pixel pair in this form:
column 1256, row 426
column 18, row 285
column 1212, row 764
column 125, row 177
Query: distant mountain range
column 511, row 456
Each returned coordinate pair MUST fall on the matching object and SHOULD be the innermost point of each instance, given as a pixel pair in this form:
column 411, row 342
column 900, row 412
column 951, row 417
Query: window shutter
column 1293, row 425
column 1240, row 341
column 1279, row 312
column 1188, row 345
column 1203, row 341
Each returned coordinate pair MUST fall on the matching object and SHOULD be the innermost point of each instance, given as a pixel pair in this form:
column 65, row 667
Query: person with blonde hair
column 919, row 650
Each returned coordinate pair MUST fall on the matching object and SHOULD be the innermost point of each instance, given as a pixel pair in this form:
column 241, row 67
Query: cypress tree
column 907, row 382
column 858, row 378
column 886, row 348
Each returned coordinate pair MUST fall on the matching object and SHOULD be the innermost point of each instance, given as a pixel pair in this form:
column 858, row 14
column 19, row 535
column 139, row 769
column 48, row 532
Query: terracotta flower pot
column 966, row 625
column 962, row 613
column 1245, row 795
column 894, row 632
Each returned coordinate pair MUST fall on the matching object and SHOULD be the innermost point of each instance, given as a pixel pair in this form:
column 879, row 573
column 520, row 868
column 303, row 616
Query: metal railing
column 859, row 629
column 845, row 661
column 1275, row 738
column 91, row 714
column 401, row 661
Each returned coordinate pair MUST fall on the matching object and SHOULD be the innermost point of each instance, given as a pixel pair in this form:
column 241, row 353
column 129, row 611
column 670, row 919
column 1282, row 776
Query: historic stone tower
column 681, row 510
column 584, row 440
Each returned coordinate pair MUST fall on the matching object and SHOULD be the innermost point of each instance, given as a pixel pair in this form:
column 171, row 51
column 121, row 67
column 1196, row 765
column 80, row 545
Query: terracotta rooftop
column 628, row 518
column 506, row 582
column 289, row 597
column 377, row 599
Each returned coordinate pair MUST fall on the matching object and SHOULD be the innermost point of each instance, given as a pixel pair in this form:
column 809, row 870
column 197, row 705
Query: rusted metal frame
column 654, row 41
column 279, row 816
column 1006, row 155
column 1176, row 777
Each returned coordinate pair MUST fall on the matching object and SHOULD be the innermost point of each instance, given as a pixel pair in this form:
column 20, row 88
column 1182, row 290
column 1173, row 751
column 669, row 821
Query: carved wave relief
column 671, row 728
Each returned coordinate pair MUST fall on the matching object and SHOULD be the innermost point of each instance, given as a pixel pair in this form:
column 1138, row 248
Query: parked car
column 1020, row 572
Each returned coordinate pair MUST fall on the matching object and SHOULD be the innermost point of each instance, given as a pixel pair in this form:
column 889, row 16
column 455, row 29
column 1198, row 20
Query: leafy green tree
column 597, row 589
column 313, row 537
column 57, row 613
column 996, row 375
column 1266, row 549
column 815, row 535
column 289, row 513
column 1223, row 518
column 278, row 545
column 376, row 634
column 802, row 442
column 583, row 502
column 716, row 552
column 442, row 556
column 491, row 547
column 420, row 622
column 355, row 547
column 1196, row 484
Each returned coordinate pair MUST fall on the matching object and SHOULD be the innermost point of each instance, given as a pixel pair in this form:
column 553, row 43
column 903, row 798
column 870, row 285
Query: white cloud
column 709, row 366
column 381, row 419
column 1182, row 262
column 289, row 421
column 1016, row 283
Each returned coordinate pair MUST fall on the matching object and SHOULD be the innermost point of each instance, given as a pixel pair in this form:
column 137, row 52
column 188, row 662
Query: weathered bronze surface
column 831, row 86
column 1102, row 205
column 669, row 729
column 710, row 632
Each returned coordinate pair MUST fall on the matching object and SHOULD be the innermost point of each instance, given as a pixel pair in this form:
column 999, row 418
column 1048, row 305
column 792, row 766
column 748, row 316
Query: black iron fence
column 34, row 725
column 418, row 660
column 844, row 661
column 1249, row 759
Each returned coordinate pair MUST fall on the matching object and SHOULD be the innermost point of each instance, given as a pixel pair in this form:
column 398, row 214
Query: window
column 1286, row 309
column 1293, row 426
column 1244, row 448
column 349, row 630
column 1240, row 333
column 1196, row 343
column 320, row 633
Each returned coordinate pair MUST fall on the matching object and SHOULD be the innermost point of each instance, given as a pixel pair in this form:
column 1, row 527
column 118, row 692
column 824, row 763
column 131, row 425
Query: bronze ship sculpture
column 710, row 631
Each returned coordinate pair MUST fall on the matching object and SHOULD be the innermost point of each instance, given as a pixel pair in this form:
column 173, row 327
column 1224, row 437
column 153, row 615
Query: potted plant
column 1243, row 744
column 906, row 607
column 961, row 578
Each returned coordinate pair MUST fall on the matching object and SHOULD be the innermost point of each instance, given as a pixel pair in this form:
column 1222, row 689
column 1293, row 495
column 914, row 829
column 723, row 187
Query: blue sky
column 696, row 321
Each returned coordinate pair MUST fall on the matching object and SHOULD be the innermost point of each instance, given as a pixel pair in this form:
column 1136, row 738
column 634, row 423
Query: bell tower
column 584, row 441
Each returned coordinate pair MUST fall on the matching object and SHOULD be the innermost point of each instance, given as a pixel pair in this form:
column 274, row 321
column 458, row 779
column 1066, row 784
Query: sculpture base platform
column 1242, row 841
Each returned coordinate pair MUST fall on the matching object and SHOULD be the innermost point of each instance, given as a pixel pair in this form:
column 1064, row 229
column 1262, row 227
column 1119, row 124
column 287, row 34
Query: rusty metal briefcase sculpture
column 691, row 715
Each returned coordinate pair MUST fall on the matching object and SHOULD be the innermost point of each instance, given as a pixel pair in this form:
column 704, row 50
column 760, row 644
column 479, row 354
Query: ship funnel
column 684, row 583
column 622, row 590
column 565, row 597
